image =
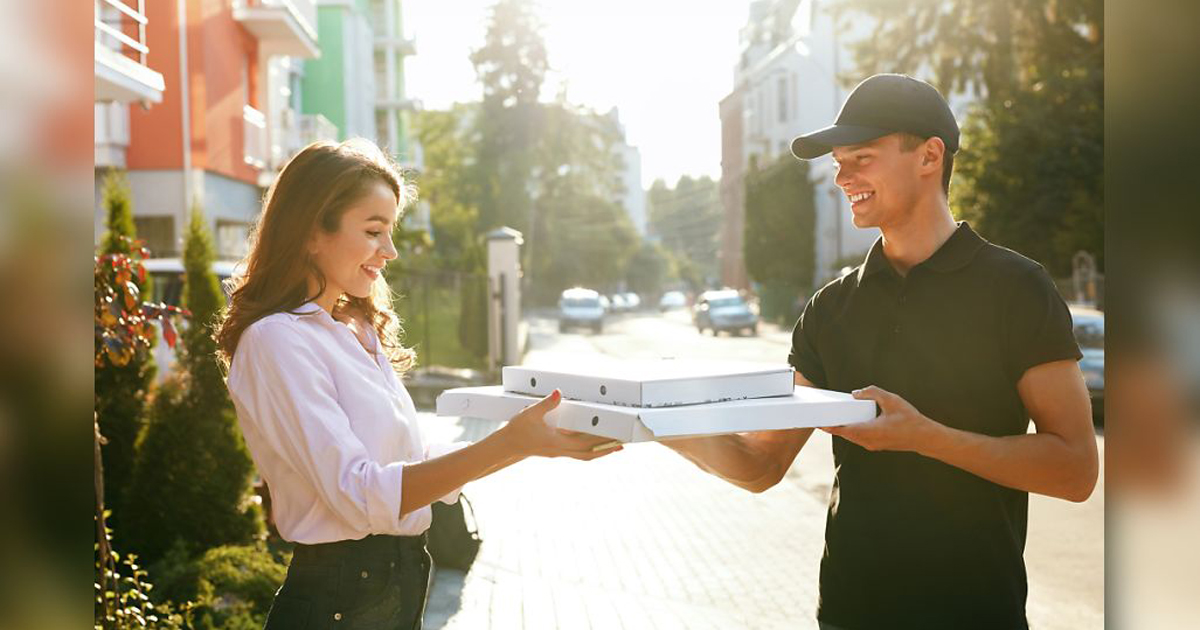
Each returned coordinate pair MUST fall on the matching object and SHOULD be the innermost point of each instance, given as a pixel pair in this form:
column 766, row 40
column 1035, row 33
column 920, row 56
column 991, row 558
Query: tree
column 687, row 220
column 191, row 483
column 511, row 65
column 779, row 245
column 648, row 270
column 121, row 390
column 1029, row 175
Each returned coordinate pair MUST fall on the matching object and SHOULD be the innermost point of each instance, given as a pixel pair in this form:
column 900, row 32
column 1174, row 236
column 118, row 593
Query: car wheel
column 562, row 327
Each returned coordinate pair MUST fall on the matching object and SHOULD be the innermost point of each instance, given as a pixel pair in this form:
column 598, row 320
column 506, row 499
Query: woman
column 311, row 346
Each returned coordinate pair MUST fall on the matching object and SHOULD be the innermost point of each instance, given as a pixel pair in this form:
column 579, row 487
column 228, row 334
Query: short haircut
column 910, row 142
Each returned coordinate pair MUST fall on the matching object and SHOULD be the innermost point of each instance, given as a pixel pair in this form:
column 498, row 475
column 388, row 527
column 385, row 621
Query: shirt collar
column 308, row 308
column 954, row 254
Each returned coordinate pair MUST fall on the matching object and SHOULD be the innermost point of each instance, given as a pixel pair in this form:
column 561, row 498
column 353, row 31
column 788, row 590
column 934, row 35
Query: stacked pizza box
column 654, row 400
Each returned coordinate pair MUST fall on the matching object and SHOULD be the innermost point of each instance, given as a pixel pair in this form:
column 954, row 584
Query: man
column 960, row 343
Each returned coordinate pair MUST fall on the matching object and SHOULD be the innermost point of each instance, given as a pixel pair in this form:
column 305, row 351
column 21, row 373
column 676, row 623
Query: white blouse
column 330, row 428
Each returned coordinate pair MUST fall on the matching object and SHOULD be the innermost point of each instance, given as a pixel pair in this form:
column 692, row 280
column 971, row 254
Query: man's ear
column 932, row 153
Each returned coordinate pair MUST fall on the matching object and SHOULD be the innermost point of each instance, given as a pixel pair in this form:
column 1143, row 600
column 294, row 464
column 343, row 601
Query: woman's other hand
column 530, row 435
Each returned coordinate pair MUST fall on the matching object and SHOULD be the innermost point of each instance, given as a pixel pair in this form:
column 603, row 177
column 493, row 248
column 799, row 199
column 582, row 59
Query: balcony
column 283, row 27
column 112, row 134
column 121, row 72
column 405, row 46
column 299, row 131
column 255, row 141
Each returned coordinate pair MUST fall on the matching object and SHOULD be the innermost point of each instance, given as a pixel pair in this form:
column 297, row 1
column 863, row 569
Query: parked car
column 1089, row 334
column 605, row 303
column 724, row 310
column 632, row 301
column 580, row 307
column 619, row 303
column 165, row 277
column 672, row 300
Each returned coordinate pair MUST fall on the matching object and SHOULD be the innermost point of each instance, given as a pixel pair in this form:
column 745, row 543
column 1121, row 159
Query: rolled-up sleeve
column 438, row 449
column 291, row 400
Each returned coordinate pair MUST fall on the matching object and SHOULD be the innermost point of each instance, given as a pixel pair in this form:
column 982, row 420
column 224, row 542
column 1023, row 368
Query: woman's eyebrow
column 379, row 218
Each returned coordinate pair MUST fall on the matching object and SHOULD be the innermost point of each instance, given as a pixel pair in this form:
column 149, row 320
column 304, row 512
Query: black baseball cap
column 880, row 105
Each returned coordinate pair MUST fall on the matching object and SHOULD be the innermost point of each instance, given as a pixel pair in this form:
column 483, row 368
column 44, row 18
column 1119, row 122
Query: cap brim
column 822, row 141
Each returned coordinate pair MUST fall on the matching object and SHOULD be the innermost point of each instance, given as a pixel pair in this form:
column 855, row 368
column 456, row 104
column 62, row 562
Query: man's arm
column 1060, row 460
column 753, row 461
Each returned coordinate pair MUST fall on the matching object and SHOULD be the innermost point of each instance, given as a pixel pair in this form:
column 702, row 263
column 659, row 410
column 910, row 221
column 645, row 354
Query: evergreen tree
column 121, row 390
column 191, row 483
column 779, row 246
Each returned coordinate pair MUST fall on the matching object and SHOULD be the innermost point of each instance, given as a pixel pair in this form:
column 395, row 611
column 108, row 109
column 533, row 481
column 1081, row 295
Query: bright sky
column 665, row 64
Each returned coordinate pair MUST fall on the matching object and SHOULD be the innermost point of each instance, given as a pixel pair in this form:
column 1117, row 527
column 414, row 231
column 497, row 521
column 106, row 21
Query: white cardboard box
column 661, row 383
column 806, row 407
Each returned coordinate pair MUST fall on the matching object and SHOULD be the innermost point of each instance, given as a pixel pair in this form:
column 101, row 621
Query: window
column 231, row 238
column 159, row 235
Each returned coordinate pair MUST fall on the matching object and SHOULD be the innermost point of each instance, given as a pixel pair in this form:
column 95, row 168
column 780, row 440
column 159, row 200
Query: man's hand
column 899, row 426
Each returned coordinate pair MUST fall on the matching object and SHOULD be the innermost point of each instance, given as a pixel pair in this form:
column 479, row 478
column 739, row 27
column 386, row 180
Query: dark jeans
column 377, row 583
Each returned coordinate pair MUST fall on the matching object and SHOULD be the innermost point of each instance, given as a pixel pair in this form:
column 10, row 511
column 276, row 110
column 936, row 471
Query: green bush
column 232, row 586
column 191, row 482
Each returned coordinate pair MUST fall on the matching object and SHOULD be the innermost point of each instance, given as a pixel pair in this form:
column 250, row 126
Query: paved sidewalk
column 643, row 539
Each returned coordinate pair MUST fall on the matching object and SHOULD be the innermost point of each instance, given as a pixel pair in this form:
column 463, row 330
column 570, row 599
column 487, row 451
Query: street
column 644, row 539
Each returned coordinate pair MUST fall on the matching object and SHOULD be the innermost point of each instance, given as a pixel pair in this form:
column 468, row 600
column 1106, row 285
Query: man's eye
column 374, row 234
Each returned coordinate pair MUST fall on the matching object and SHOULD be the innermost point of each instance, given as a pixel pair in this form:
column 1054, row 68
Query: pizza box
column 805, row 407
column 659, row 383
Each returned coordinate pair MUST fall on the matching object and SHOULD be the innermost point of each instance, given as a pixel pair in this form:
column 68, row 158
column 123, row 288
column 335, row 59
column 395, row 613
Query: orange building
column 207, row 142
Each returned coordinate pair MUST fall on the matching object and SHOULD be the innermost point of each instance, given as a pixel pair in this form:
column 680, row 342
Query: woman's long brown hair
column 312, row 192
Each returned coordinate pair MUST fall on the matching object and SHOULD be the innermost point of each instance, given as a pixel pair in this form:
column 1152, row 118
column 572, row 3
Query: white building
column 792, row 53
column 634, row 199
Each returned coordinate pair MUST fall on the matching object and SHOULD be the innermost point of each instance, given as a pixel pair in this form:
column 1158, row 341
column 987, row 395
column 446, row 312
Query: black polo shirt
column 911, row 542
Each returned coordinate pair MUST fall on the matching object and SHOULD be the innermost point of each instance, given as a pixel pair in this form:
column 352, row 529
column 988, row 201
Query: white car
column 165, row 276
column 672, row 300
column 580, row 307
column 632, row 301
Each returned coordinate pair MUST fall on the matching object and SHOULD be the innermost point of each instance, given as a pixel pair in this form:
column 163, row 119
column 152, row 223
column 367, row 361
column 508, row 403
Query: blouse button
column 364, row 575
column 337, row 616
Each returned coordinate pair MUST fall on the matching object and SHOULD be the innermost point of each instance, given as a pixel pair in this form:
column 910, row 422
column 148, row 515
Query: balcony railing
column 298, row 131
column 255, row 141
column 121, row 53
column 287, row 27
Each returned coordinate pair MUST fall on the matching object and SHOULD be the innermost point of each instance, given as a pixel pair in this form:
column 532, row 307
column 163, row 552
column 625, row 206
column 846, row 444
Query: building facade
column 210, row 141
column 785, row 83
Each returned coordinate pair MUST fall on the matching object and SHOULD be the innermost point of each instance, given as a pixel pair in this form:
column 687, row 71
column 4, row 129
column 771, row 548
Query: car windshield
column 1089, row 332
column 580, row 302
column 726, row 302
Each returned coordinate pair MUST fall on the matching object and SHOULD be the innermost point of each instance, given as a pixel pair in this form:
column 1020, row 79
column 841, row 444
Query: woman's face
column 352, row 258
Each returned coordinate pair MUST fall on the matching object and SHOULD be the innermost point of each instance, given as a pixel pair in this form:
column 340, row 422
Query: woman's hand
column 530, row 435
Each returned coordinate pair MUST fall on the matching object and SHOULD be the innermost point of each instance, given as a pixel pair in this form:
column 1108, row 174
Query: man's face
column 880, row 179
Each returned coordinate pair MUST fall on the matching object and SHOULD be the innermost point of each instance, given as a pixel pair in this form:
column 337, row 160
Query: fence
column 444, row 315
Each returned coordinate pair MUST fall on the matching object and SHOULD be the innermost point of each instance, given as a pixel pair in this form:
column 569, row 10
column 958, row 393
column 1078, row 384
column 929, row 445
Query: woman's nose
column 389, row 249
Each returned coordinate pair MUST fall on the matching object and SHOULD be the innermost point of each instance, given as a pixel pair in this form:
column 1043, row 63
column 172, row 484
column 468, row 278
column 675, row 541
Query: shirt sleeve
column 437, row 449
column 1038, row 324
column 804, row 356
column 289, row 395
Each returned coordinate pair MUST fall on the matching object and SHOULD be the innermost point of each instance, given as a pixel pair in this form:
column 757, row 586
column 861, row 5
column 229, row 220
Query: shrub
column 191, row 483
